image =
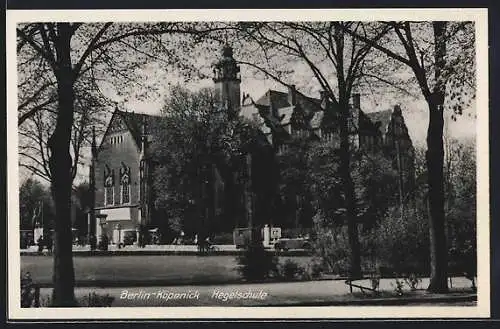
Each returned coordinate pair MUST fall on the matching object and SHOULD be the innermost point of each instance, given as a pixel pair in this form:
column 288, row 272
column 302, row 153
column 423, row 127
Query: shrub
column 257, row 264
column 331, row 245
column 30, row 293
column 316, row 270
column 401, row 245
column 96, row 300
column 413, row 281
column 291, row 269
column 30, row 296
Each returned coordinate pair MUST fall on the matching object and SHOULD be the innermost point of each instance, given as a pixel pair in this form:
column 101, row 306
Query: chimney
column 292, row 95
column 356, row 101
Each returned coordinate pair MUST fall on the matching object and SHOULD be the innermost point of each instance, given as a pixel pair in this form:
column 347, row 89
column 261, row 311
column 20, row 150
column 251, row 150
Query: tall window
column 124, row 184
column 125, row 189
column 109, row 191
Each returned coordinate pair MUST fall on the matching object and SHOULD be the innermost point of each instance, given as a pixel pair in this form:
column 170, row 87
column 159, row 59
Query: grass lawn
column 142, row 270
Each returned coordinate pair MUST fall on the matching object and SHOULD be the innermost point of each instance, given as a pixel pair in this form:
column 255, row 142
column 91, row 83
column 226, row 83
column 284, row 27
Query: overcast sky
column 415, row 110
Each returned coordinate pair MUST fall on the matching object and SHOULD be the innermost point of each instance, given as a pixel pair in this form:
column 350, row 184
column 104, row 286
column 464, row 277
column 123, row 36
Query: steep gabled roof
column 275, row 99
column 278, row 102
column 134, row 122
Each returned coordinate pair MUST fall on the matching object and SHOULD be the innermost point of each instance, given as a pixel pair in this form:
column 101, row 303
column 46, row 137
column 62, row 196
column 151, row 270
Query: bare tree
column 38, row 127
column 58, row 57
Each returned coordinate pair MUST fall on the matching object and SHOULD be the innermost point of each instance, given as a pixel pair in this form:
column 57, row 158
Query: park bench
column 363, row 289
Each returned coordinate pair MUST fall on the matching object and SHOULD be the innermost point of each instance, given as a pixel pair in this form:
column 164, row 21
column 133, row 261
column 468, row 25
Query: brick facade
column 119, row 159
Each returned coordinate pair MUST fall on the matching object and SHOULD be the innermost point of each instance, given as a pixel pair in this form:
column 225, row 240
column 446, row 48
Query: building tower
column 227, row 81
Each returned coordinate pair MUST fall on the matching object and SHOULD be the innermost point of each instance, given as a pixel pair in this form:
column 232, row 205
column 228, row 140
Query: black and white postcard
column 245, row 164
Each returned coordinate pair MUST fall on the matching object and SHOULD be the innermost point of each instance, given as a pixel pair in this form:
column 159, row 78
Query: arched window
column 109, row 191
column 124, row 184
column 125, row 189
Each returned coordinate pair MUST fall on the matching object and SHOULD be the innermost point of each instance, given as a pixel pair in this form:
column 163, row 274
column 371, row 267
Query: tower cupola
column 227, row 81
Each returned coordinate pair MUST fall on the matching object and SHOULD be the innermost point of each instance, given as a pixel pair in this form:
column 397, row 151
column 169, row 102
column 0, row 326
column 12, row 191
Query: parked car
column 292, row 243
column 129, row 237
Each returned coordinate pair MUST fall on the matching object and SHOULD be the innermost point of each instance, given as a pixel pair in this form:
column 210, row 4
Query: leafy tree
column 375, row 184
column 32, row 194
column 195, row 146
column 460, row 205
column 401, row 244
column 441, row 57
column 296, row 202
column 334, row 60
column 81, row 201
column 68, row 55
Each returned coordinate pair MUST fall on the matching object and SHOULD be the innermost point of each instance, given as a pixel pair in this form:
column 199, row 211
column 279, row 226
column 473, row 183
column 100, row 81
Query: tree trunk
column 350, row 199
column 434, row 157
column 435, row 161
column 60, row 166
column 248, row 196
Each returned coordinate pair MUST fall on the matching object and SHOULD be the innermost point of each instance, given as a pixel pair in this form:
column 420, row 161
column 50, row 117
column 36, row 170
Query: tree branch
column 380, row 48
column 37, row 48
column 90, row 48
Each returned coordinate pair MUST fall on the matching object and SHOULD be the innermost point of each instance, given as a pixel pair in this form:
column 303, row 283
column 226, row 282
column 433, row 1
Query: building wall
column 118, row 146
